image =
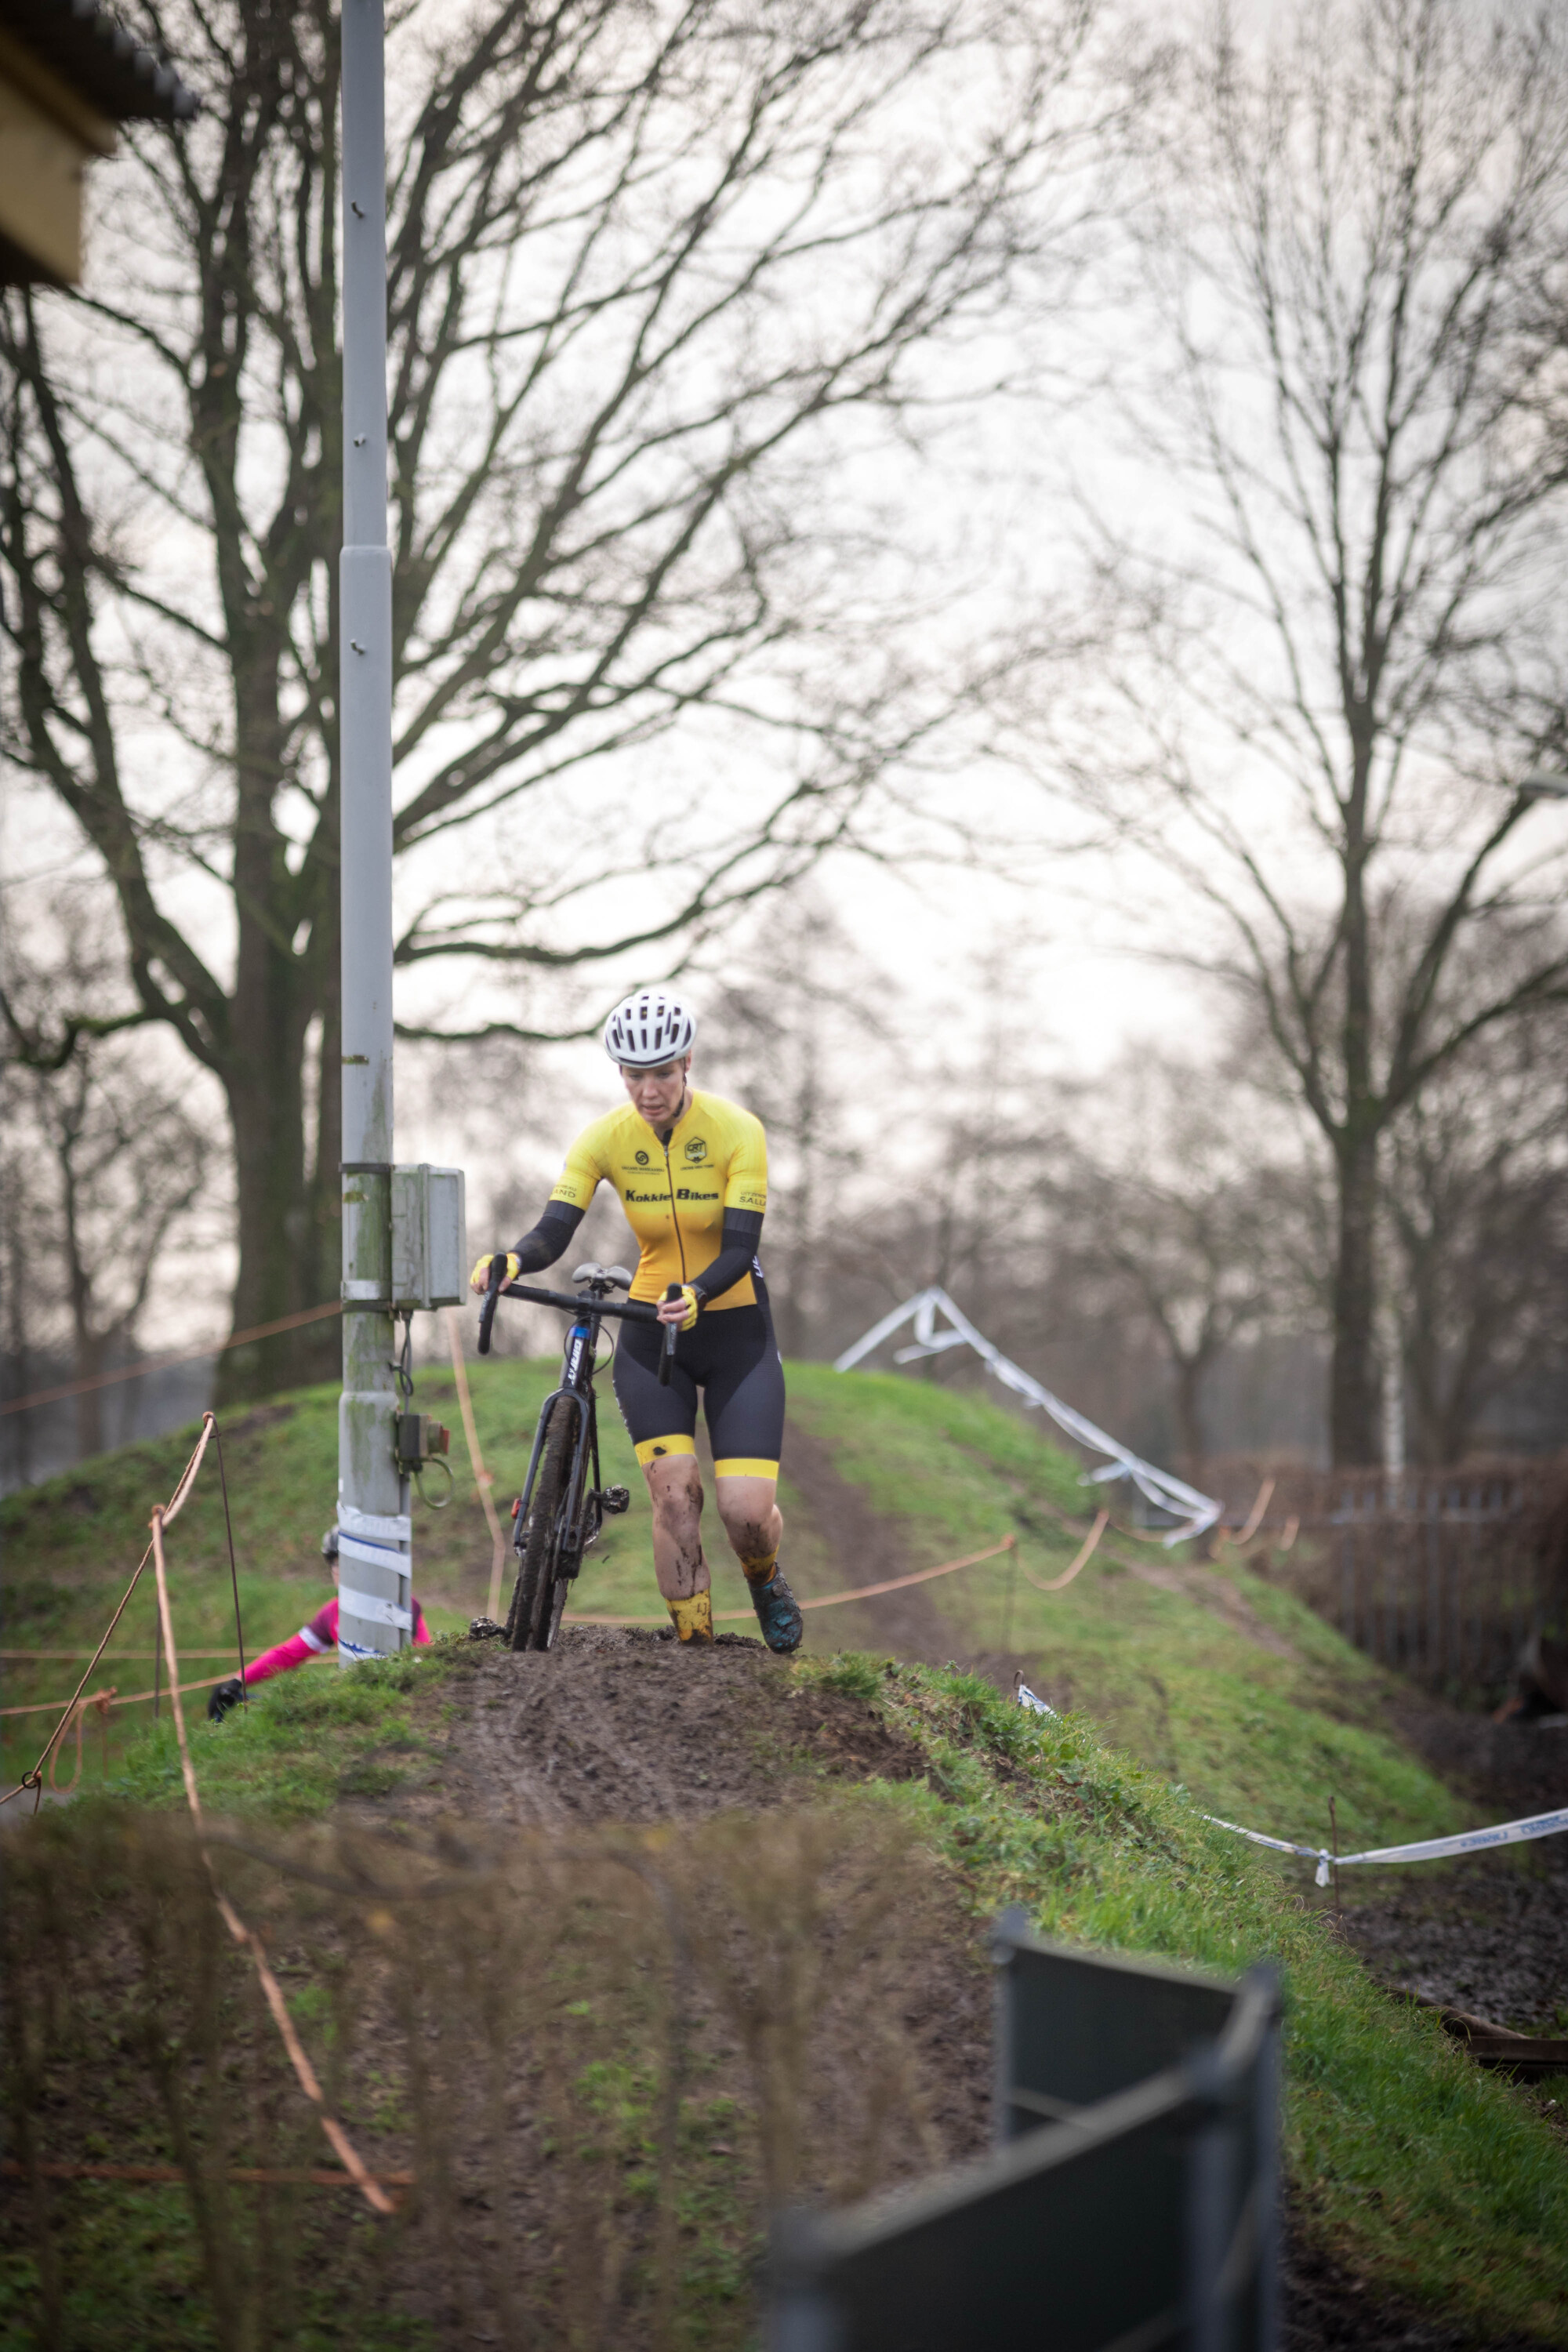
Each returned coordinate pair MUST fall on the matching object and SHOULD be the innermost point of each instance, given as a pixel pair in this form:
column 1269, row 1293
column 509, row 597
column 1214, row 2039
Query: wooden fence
column 1441, row 1575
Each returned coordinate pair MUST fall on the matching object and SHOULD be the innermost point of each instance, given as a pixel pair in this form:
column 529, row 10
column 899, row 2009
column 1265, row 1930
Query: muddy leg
column 754, row 1523
column 674, row 1489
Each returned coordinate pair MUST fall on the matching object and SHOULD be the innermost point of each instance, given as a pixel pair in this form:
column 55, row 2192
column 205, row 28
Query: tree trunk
column 286, row 1208
column 87, row 1362
column 1189, row 1374
column 1354, row 1384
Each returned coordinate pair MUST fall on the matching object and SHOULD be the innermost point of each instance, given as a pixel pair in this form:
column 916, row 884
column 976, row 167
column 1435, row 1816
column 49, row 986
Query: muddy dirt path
column 853, row 1546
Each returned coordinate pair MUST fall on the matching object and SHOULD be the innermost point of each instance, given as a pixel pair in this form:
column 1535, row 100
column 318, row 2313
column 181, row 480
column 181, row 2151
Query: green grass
column 1424, row 2175
column 304, row 1740
column 72, row 1543
column 1261, row 1738
column 1422, row 2172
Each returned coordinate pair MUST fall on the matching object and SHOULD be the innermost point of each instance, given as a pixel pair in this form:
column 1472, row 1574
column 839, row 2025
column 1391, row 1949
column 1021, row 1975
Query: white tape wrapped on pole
column 372, row 1610
column 1537, row 1825
column 1197, row 1512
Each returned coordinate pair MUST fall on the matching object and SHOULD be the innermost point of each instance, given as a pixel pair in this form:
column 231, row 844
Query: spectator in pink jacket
column 310, row 1641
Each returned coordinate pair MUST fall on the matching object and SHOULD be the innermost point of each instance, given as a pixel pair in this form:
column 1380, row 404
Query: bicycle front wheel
column 539, row 1594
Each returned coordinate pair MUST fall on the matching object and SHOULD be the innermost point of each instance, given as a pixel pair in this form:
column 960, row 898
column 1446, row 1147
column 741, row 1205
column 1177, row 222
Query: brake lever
column 492, row 1292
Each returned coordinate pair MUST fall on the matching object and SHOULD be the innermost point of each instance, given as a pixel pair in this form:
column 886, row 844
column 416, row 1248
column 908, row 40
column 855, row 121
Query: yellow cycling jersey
column 674, row 1195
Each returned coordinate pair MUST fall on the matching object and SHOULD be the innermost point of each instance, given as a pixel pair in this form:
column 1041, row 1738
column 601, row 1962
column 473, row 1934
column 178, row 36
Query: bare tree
column 1162, row 1216
column 1477, row 1181
column 115, row 1162
column 1326, row 697
column 128, row 1166
column 795, row 1036
column 654, row 277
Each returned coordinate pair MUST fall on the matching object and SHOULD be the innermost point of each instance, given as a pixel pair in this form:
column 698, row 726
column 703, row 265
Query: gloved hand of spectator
column 222, row 1697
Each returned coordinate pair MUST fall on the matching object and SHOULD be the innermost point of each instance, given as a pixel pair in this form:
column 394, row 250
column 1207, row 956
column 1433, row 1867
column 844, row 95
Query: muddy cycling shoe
column 778, row 1613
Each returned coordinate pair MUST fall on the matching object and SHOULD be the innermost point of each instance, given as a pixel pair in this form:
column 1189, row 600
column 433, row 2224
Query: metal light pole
column 374, row 1606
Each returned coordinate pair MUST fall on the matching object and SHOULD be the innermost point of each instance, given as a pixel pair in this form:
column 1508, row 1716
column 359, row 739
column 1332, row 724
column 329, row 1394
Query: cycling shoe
column 778, row 1613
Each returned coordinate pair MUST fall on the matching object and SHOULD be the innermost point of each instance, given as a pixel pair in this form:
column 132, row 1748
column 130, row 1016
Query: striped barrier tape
column 1537, row 1825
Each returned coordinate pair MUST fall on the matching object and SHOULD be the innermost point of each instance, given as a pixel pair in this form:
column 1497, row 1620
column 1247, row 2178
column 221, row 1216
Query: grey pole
column 375, row 1534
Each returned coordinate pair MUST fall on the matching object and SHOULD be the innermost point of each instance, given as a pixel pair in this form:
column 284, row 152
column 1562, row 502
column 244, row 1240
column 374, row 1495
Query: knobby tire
column 539, row 1594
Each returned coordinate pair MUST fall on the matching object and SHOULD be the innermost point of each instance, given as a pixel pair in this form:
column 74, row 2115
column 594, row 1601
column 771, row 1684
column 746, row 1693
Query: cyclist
column 691, row 1172
column 310, row 1641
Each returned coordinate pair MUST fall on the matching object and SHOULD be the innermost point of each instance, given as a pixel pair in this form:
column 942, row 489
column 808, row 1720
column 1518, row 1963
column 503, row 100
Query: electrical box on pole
column 429, row 1249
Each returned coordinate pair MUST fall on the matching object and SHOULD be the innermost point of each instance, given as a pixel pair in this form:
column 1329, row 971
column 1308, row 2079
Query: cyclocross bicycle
column 564, row 1503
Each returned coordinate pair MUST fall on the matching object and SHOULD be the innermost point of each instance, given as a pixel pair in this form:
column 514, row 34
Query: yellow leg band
column 653, row 1449
column 760, row 1567
column 741, row 1465
column 693, row 1619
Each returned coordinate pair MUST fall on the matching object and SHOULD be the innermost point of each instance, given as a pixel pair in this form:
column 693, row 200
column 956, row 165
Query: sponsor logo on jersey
column 641, row 1159
column 689, row 1193
column 642, row 1198
column 752, row 1200
column 696, row 1150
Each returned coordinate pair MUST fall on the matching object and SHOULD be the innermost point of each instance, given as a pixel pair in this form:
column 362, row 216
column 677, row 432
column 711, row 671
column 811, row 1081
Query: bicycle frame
column 576, row 1389
column 588, row 1313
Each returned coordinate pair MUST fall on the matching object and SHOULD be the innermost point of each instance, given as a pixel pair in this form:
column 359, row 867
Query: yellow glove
column 480, row 1277
column 693, row 1307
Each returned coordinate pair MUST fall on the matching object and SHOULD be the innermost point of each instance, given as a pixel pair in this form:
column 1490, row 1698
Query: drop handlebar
column 630, row 1311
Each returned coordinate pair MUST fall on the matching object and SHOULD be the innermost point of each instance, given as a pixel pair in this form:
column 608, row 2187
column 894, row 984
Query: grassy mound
column 1225, row 1685
column 1429, row 2178
column 1185, row 1689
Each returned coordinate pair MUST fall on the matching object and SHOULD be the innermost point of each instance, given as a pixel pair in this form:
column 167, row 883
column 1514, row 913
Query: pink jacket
column 320, row 1634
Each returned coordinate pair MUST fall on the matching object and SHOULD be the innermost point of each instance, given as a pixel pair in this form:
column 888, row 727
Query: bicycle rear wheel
column 539, row 1594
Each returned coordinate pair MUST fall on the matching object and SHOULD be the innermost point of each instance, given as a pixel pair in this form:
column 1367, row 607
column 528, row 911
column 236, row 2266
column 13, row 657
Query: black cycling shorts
column 732, row 1357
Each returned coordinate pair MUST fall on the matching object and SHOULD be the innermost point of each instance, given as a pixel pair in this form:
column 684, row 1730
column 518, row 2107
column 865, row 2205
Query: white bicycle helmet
column 651, row 1027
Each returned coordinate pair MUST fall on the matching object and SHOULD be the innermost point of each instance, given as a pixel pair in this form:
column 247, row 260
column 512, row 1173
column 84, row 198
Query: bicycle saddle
column 603, row 1277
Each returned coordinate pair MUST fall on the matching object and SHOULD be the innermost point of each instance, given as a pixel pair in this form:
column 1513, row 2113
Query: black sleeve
column 542, row 1245
column 738, row 1242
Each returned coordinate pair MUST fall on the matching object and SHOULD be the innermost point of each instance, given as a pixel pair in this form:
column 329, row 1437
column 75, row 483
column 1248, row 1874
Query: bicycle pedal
column 615, row 1499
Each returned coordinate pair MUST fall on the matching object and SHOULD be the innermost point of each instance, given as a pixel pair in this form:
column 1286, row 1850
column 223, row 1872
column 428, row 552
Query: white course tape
column 1537, row 1825
column 371, row 1610
column 1027, row 1697
column 1195, row 1511
column 381, row 1527
column 375, row 1555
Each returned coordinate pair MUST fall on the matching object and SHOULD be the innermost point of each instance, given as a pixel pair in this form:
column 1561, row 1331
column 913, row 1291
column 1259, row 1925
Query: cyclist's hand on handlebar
column 480, row 1277
column 681, row 1310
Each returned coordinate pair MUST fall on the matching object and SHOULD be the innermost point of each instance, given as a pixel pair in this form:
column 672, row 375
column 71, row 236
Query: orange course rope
column 35, row 1779
column 828, row 1600
column 1091, row 1544
column 483, row 1479
column 342, row 2147
column 112, row 1697
column 315, row 2176
column 165, row 1363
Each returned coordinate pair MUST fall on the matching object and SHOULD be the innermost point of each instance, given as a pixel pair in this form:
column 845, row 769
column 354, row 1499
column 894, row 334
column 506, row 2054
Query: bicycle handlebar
column 630, row 1311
